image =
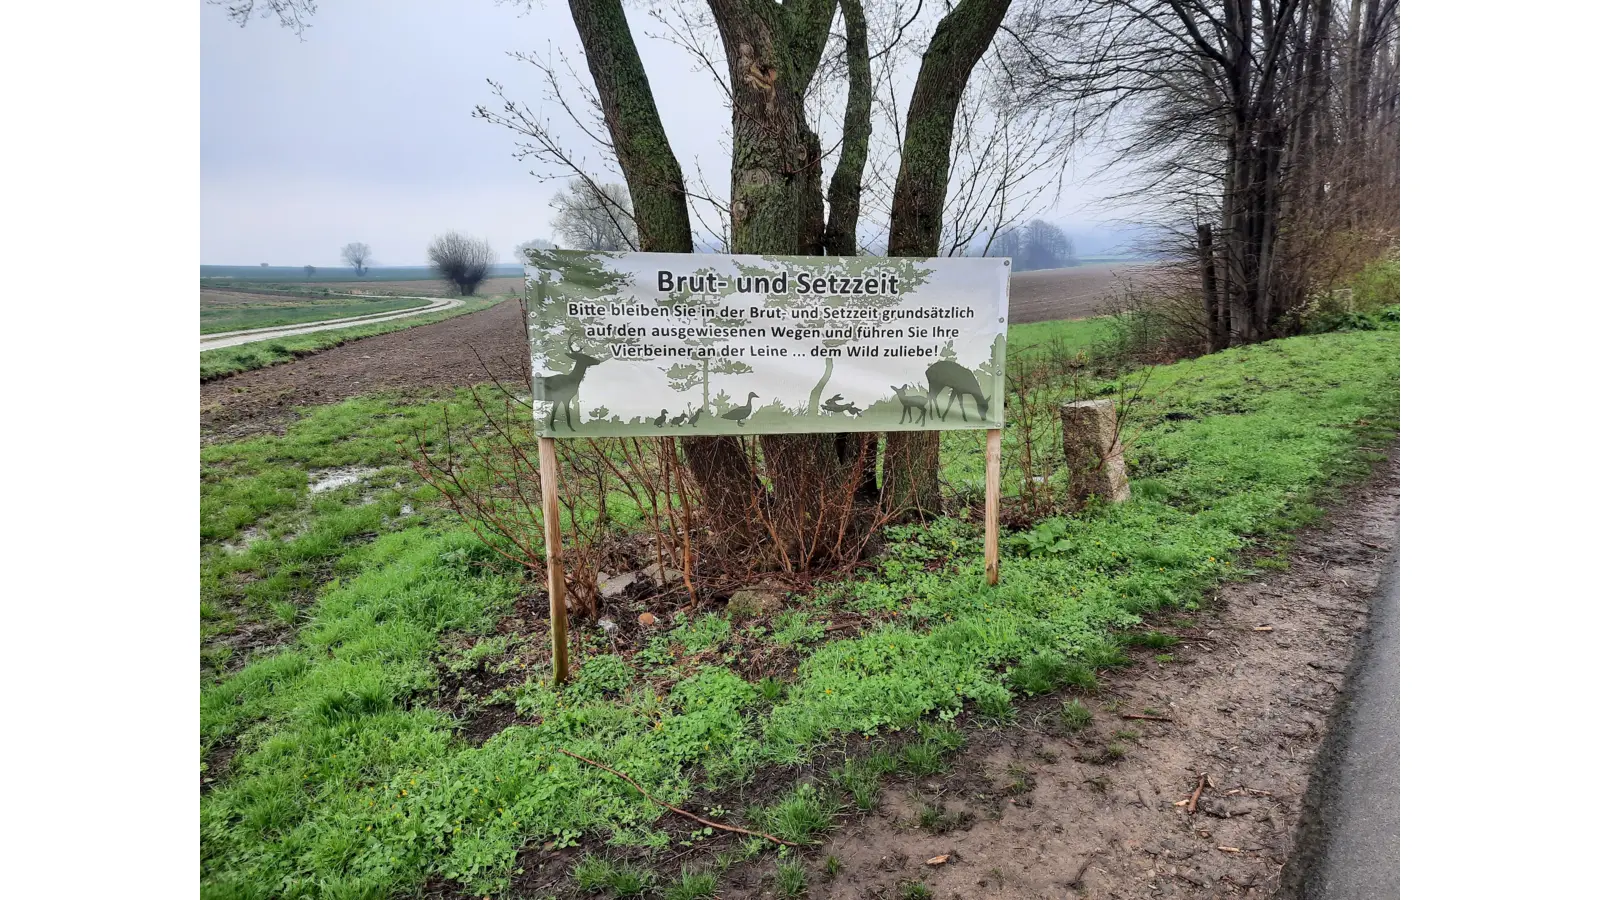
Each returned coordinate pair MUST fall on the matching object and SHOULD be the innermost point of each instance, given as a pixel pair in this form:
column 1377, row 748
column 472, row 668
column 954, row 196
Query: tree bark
column 655, row 181
column 1208, row 287
column 916, row 217
column 660, row 207
column 844, row 191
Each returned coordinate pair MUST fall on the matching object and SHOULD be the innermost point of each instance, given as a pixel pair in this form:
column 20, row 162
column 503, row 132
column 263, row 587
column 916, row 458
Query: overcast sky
column 363, row 131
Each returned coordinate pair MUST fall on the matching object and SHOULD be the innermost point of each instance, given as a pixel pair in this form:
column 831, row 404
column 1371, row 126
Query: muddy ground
column 466, row 350
column 1034, row 811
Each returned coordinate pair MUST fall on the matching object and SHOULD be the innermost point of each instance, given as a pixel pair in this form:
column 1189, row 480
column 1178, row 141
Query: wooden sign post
column 549, row 485
column 991, row 508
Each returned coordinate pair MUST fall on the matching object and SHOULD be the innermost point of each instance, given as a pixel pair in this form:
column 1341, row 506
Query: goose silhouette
column 740, row 413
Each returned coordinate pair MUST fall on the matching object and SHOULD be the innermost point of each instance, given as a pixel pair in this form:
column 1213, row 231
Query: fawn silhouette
column 560, row 389
column 962, row 384
column 910, row 403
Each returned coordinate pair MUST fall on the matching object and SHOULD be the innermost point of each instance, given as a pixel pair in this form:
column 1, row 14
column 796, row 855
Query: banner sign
column 629, row 344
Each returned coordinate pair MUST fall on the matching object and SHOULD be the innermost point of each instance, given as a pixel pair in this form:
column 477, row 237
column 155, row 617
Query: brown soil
column 1033, row 811
column 458, row 352
column 1075, row 293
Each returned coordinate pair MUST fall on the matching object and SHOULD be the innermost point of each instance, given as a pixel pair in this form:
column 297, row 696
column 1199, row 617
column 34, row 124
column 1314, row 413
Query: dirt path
column 457, row 352
column 1034, row 813
column 251, row 335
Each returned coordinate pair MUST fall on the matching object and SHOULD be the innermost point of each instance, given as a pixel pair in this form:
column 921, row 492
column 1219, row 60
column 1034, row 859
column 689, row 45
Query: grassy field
column 338, row 774
column 260, row 354
column 221, row 311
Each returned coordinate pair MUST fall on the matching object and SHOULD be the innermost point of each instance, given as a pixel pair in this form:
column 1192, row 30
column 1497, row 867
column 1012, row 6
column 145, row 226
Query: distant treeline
column 284, row 274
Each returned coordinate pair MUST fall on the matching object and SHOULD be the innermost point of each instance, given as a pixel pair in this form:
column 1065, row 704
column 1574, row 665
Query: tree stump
column 1093, row 452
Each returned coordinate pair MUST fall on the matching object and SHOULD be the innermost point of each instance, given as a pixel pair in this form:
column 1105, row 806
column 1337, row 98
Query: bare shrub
column 461, row 260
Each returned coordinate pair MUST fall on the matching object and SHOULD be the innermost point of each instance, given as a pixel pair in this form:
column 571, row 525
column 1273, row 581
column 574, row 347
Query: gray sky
column 363, row 130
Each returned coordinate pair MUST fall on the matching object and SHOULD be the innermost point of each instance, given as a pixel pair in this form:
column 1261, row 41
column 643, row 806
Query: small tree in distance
column 357, row 254
column 593, row 216
column 310, row 271
column 461, row 260
column 521, row 250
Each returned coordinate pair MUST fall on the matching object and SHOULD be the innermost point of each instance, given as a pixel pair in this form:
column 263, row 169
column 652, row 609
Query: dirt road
column 458, row 352
column 251, row 335
column 1034, row 811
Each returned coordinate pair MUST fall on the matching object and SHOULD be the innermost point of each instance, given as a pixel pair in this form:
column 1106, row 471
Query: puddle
column 343, row 476
column 246, row 537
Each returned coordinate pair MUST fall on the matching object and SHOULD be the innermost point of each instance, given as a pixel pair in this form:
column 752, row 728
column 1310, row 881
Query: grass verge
column 225, row 361
column 345, row 781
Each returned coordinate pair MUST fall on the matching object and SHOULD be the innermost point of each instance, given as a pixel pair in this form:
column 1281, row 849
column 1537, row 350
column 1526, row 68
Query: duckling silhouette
column 661, row 419
column 678, row 419
column 740, row 413
column 696, row 417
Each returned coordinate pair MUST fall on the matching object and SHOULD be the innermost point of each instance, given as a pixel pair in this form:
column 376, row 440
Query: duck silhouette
column 696, row 417
column 740, row 413
column 678, row 419
column 661, row 419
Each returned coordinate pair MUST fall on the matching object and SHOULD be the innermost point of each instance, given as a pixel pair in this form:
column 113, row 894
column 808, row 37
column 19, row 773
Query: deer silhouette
column 833, row 405
column 910, row 403
column 560, row 389
column 962, row 384
column 740, row 413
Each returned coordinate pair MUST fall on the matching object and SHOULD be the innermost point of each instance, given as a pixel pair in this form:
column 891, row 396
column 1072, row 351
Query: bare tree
column 310, row 271
column 592, row 216
column 294, row 15
column 357, row 255
column 461, row 260
column 1244, row 118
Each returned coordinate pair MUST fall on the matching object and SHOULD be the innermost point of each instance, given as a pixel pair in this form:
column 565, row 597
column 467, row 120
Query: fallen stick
column 682, row 812
column 1194, row 798
column 1144, row 718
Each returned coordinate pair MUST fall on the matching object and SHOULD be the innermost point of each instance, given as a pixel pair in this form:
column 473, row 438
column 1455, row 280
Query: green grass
column 346, row 781
column 1072, row 334
column 692, row 886
column 790, row 880
column 260, row 354
column 237, row 317
column 1075, row 716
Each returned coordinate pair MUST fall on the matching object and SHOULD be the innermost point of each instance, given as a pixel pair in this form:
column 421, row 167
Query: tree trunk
column 916, row 218
column 1208, row 286
column 661, row 210
column 844, row 191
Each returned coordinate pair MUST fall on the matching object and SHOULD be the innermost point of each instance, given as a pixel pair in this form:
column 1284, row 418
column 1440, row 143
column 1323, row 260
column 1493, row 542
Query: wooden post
column 548, row 484
column 991, row 508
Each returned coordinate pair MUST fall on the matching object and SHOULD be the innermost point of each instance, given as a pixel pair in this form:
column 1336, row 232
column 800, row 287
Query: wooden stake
column 549, row 487
column 991, row 509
